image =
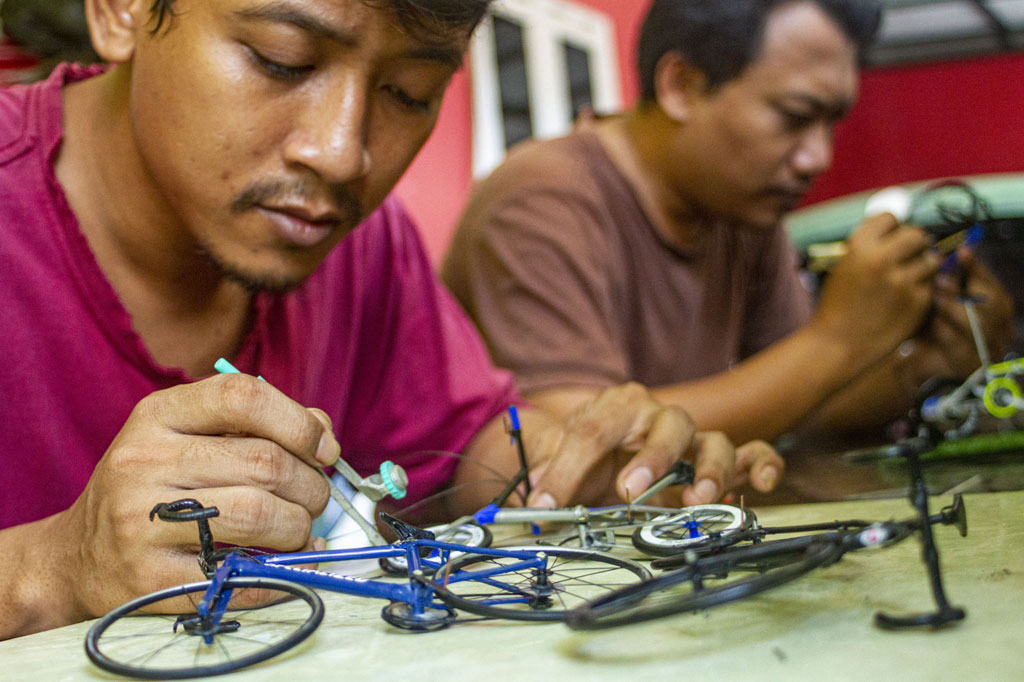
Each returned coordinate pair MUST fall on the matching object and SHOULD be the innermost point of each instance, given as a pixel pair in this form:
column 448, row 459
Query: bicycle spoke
column 171, row 644
column 569, row 577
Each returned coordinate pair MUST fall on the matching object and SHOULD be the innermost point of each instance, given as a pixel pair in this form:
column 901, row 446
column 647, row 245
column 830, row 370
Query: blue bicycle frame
column 418, row 593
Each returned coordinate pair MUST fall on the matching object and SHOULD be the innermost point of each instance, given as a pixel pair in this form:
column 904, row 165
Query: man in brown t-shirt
column 648, row 247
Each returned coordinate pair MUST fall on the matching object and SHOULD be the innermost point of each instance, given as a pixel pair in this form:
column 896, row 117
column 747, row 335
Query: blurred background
column 941, row 95
column 38, row 34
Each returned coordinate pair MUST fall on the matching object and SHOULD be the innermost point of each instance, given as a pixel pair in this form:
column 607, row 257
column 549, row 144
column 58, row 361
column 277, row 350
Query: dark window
column 515, row 96
column 580, row 90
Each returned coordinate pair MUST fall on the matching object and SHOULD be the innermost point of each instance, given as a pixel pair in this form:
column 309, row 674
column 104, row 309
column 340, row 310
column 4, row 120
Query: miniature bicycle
column 957, row 407
column 258, row 605
column 780, row 561
column 709, row 579
column 601, row 528
column 992, row 388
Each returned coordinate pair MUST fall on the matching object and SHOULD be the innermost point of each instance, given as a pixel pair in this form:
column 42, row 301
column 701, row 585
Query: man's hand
column 229, row 441
column 879, row 293
column 615, row 446
column 947, row 339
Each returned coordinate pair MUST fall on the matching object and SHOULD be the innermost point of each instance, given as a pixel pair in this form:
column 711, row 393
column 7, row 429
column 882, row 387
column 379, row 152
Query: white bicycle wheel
column 689, row 527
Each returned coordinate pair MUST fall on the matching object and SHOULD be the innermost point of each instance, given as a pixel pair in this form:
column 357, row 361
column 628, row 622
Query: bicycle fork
column 945, row 613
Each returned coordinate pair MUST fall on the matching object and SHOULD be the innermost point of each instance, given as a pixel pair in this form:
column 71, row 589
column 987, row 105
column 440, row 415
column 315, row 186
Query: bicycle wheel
column 708, row 582
column 572, row 577
column 160, row 635
column 689, row 528
column 470, row 534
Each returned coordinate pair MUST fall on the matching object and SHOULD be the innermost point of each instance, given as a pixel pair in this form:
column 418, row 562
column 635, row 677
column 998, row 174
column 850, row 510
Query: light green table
column 818, row 628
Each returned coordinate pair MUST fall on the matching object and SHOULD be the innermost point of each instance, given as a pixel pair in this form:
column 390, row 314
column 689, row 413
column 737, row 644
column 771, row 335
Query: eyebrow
column 284, row 13
column 833, row 110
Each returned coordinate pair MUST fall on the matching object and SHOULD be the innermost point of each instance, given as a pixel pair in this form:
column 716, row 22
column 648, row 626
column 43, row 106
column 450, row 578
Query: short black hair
column 721, row 37
column 423, row 18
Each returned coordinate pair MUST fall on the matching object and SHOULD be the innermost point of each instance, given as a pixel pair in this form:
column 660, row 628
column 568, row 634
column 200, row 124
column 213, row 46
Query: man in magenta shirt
column 223, row 191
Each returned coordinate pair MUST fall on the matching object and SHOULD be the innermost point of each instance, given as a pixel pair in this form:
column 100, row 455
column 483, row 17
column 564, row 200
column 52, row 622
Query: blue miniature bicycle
column 257, row 605
column 603, row 528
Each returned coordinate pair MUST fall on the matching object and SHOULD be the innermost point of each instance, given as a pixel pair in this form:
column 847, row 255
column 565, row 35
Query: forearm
column 492, row 460
column 489, row 462
column 771, row 392
column 33, row 580
column 889, row 390
column 881, row 395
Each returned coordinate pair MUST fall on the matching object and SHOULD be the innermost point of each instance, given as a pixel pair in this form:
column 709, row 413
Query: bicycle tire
column 675, row 533
column 524, row 598
column 158, row 646
column 655, row 599
column 470, row 534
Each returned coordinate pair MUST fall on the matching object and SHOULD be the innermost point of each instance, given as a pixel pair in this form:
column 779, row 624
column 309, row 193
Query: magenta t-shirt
column 371, row 337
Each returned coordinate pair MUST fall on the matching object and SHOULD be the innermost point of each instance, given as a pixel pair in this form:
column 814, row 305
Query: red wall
column 929, row 121
column 911, row 123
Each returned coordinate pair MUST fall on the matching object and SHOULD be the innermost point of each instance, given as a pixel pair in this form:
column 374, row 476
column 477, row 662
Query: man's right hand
column 230, row 441
column 880, row 292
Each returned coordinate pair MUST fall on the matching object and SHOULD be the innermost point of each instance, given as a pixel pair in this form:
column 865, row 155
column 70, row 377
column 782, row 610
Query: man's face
column 754, row 145
column 273, row 127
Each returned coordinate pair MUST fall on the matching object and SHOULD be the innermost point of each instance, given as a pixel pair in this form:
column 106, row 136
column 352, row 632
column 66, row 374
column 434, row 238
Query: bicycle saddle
column 406, row 531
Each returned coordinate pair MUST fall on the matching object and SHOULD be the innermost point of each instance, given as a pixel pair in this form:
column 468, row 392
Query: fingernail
column 322, row 417
column 328, row 451
column 543, row 500
column 319, row 544
column 706, row 490
column 769, row 477
column 638, row 480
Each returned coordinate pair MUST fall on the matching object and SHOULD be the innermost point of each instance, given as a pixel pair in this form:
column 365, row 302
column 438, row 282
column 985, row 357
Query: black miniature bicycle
column 718, row 571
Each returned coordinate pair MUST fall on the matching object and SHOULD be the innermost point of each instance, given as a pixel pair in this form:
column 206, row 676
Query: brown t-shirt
column 570, row 284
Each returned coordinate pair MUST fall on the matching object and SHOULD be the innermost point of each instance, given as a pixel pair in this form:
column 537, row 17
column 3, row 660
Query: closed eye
column 278, row 70
column 797, row 121
column 406, row 100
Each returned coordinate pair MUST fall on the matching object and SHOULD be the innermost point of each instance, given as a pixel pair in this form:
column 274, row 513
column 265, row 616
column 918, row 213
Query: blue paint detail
column 486, row 515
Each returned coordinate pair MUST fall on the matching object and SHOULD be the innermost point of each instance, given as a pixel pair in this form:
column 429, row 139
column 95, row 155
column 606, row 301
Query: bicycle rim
column 148, row 638
column 573, row 577
column 688, row 528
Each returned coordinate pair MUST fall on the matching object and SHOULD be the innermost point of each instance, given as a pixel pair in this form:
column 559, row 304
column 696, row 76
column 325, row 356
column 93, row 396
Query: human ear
column 113, row 27
column 676, row 84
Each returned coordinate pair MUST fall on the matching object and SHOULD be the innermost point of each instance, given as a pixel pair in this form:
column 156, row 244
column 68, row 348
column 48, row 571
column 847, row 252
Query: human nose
column 331, row 136
column 813, row 153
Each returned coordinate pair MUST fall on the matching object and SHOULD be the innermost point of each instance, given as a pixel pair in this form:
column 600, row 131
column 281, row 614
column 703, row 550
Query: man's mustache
column 271, row 194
